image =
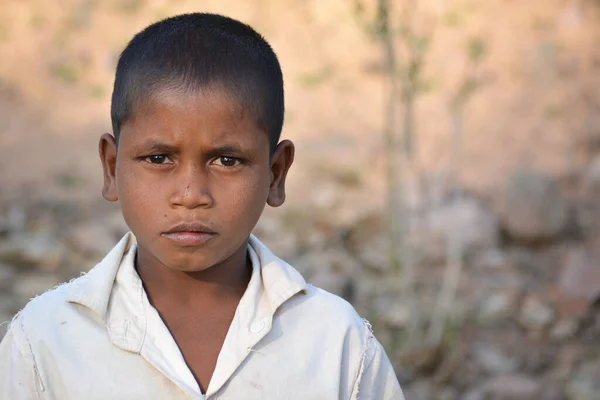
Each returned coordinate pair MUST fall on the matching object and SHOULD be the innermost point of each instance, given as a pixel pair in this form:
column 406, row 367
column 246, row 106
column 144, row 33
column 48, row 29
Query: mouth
column 189, row 234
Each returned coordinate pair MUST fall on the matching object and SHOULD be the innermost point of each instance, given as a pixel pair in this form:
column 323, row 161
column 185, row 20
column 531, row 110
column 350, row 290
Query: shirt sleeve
column 376, row 378
column 18, row 377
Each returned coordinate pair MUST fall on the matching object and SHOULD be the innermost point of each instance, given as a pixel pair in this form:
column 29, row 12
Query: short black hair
column 190, row 52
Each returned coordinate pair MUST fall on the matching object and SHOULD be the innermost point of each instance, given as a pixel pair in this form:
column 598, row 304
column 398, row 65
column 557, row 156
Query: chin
column 188, row 269
column 192, row 264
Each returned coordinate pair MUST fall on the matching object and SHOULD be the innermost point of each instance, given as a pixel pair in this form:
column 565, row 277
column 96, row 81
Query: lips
column 190, row 234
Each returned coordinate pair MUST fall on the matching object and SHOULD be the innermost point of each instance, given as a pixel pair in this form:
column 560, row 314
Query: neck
column 227, row 280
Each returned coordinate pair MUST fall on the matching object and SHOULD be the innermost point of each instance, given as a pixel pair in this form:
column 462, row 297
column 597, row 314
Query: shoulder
column 64, row 303
column 330, row 305
column 41, row 312
column 38, row 320
column 328, row 313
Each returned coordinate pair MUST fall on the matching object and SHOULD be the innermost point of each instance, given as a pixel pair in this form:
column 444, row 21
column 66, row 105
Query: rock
column 116, row 224
column 537, row 359
column 447, row 394
column 93, row 238
column 580, row 277
column 476, row 394
column 395, row 315
column 568, row 307
column 493, row 259
column 97, row 236
column 512, row 387
column 33, row 248
column 535, row 315
column 327, row 196
column 16, row 218
column 493, row 361
column 420, row 389
column 33, row 284
column 7, row 277
column 369, row 242
column 564, row 329
column 274, row 234
column 332, row 269
column 450, row 367
column 585, row 383
column 467, row 221
column 568, row 357
column 375, row 254
column 508, row 281
column 9, row 304
column 423, row 359
column 591, row 179
column 4, row 227
column 498, row 305
column 523, row 258
column 552, row 390
column 533, row 209
column 427, row 237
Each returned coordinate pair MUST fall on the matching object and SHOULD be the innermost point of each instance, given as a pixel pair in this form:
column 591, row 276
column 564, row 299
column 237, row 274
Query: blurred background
column 446, row 182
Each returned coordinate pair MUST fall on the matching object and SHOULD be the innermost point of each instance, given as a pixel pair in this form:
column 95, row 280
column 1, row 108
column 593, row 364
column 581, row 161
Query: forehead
column 209, row 116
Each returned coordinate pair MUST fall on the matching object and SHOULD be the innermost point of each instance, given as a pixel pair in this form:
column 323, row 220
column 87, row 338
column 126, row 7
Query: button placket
column 257, row 326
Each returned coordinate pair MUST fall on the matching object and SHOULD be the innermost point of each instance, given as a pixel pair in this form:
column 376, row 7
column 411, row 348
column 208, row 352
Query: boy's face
column 193, row 173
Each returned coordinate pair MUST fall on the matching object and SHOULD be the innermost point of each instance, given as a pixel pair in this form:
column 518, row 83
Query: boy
column 190, row 305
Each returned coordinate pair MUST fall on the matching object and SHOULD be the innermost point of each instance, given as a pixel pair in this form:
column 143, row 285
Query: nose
column 191, row 189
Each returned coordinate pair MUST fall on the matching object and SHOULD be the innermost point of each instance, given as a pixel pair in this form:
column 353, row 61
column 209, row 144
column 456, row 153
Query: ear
column 281, row 161
column 108, row 157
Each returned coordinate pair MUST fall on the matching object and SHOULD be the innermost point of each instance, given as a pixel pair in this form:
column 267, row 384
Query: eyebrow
column 220, row 150
column 158, row 147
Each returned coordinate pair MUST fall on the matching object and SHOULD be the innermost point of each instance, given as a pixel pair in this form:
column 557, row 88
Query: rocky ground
column 523, row 325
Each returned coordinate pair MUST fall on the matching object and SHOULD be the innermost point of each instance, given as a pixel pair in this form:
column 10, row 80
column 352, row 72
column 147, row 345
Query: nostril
column 191, row 195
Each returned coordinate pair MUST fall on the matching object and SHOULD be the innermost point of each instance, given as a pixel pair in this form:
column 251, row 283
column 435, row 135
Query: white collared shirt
column 98, row 337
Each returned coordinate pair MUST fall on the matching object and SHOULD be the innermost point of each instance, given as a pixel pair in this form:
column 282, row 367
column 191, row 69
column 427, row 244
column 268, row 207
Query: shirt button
column 257, row 326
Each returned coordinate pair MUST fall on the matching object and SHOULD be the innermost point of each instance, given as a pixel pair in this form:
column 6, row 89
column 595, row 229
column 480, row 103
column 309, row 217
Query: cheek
column 137, row 197
column 133, row 183
column 249, row 199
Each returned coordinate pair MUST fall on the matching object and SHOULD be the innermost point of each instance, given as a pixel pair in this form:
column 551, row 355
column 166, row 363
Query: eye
column 158, row 159
column 225, row 161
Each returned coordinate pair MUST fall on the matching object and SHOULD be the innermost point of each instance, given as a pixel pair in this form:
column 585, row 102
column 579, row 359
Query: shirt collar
column 273, row 283
column 280, row 280
column 93, row 289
